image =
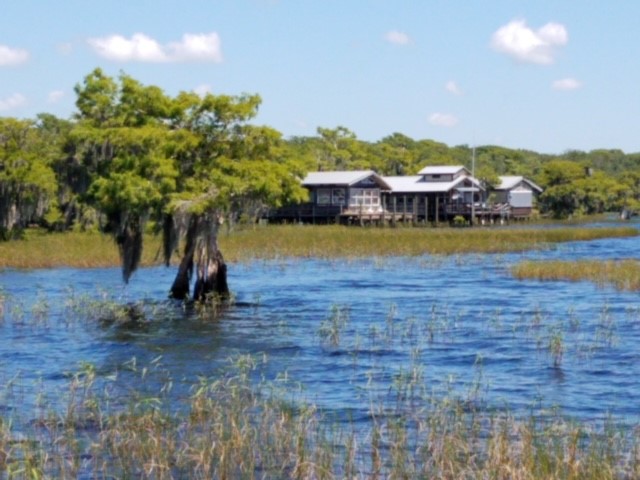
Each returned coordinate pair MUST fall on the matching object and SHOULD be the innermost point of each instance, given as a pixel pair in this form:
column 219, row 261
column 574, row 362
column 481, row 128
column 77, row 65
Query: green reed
column 331, row 328
column 90, row 249
column 231, row 430
column 333, row 241
column 622, row 274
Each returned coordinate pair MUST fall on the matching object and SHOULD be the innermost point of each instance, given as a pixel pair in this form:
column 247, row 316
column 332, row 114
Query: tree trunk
column 202, row 253
column 180, row 287
column 211, row 278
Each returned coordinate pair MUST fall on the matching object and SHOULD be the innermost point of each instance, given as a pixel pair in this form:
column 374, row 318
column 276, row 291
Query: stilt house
column 435, row 194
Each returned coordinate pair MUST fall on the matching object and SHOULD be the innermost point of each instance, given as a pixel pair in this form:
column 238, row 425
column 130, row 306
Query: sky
column 543, row 75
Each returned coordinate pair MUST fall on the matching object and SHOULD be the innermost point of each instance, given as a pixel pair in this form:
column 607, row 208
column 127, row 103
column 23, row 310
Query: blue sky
column 545, row 75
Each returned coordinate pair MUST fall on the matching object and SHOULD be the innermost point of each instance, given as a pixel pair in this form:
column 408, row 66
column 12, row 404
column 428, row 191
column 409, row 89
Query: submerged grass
column 90, row 250
column 622, row 274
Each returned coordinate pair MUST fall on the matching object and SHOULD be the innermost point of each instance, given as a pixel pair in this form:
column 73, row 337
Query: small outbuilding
column 518, row 193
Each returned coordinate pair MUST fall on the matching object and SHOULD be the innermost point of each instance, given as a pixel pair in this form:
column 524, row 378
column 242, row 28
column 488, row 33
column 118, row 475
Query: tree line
column 574, row 182
column 133, row 158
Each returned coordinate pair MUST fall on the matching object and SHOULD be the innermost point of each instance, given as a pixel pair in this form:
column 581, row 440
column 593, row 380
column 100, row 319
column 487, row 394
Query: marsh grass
column 333, row 241
column 39, row 249
column 90, row 249
column 622, row 274
column 241, row 422
column 231, row 429
column 332, row 327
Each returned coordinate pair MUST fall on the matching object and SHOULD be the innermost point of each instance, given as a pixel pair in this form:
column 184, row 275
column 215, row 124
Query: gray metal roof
column 416, row 184
column 508, row 182
column 441, row 170
column 342, row 178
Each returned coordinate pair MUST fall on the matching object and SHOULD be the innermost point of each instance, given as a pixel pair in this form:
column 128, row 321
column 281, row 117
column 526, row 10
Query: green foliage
column 133, row 149
column 630, row 196
column 561, row 200
column 149, row 156
column 96, row 98
column 572, row 188
column 459, row 221
column 27, row 180
column 561, row 172
column 339, row 149
column 147, row 152
column 487, row 175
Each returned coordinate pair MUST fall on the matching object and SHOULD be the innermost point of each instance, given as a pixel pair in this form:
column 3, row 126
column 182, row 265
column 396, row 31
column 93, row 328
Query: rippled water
column 462, row 321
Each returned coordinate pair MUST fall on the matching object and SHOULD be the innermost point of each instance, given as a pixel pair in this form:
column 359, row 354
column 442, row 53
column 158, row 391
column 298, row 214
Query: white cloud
column 397, row 38
column 443, row 119
column 202, row 90
column 139, row 47
column 200, row 47
column 566, row 84
column 452, row 87
column 55, row 96
column 12, row 56
column 14, row 101
column 519, row 41
column 142, row 48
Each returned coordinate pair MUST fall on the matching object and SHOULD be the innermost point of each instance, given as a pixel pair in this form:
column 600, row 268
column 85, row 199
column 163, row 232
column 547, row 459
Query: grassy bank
column 86, row 250
column 622, row 274
column 70, row 249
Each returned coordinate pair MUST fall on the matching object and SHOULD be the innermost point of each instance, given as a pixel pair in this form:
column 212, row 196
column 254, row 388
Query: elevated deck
column 310, row 213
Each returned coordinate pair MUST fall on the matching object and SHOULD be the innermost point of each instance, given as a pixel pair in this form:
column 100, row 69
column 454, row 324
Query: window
column 323, row 196
column 337, row 196
column 366, row 197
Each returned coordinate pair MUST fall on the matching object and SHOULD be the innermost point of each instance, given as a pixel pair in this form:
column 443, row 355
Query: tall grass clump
column 622, row 274
column 331, row 328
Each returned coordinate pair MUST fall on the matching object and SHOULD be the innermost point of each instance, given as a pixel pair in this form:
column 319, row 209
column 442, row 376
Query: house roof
column 416, row 184
column 441, row 170
column 509, row 182
column 343, row 178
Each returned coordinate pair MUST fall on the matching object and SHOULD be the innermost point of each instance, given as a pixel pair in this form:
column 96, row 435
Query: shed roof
column 343, row 178
column 508, row 182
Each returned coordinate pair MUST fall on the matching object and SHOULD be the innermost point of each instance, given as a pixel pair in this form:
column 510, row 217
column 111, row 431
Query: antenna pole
column 473, row 177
